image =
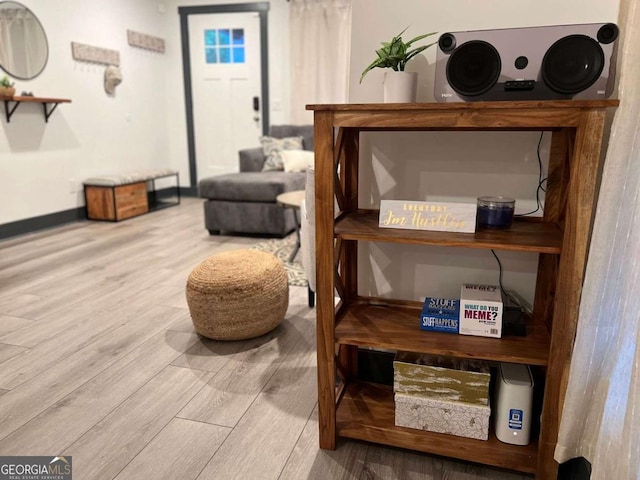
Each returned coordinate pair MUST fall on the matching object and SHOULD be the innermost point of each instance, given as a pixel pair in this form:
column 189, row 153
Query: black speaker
column 558, row 62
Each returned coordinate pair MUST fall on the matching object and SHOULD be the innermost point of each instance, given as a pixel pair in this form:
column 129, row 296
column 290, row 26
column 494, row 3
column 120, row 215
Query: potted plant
column 6, row 87
column 399, row 86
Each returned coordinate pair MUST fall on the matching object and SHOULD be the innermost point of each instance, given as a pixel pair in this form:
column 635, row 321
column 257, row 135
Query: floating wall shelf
column 9, row 109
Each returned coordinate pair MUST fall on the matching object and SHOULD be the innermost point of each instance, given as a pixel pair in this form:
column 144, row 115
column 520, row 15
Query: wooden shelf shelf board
column 523, row 236
column 367, row 412
column 45, row 101
column 398, row 328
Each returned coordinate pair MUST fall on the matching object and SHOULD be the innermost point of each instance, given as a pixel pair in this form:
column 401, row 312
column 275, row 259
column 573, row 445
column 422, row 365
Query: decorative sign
column 148, row 42
column 87, row 53
column 435, row 216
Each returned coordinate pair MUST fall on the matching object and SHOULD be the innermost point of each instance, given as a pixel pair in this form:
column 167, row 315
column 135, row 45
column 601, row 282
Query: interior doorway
column 225, row 68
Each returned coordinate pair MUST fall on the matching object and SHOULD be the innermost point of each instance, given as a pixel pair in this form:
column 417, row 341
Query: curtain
column 601, row 414
column 31, row 38
column 320, row 44
column 6, row 54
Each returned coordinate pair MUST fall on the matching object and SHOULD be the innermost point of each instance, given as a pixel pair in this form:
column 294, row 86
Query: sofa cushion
column 297, row 160
column 272, row 149
column 250, row 186
column 248, row 217
column 304, row 131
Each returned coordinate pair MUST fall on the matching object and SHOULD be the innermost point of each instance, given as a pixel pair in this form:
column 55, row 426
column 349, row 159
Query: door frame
column 263, row 9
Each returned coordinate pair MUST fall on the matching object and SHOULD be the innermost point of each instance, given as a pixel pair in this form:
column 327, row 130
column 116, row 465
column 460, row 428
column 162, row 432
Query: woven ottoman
column 237, row 295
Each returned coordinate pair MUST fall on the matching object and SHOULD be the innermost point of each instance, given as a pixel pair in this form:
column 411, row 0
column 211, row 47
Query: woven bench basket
column 237, row 295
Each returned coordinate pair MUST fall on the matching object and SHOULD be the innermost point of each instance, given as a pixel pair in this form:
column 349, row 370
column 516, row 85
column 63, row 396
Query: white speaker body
column 518, row 46
column 513, row 403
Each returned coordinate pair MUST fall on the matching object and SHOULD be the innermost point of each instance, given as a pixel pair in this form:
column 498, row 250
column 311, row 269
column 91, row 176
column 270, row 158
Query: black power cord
column 541, row 182
column 518, row 306
column 504, row 292
column 513, row 318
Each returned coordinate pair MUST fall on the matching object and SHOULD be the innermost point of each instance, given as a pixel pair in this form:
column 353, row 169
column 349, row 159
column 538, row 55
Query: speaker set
column 539, row 63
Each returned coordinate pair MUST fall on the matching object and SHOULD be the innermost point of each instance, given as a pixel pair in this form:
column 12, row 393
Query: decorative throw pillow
column 296, row 160
column 273, row 148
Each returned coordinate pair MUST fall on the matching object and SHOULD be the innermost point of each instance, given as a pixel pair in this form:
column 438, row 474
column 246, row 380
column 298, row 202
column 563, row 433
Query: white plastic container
column 514, row 398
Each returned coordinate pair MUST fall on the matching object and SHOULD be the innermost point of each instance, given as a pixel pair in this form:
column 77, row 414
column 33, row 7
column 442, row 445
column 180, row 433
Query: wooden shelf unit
column 364, row 411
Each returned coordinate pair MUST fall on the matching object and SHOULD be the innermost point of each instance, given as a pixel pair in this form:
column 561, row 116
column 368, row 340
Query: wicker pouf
column 237, row 295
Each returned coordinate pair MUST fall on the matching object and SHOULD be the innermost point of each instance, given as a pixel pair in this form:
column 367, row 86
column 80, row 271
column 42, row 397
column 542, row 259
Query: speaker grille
column 473, row 68
column 572, row 64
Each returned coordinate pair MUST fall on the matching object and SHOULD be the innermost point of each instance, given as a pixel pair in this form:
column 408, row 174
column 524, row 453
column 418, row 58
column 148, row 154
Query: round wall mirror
column 23, row 44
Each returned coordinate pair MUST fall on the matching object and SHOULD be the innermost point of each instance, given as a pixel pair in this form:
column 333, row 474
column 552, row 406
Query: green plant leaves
column 5, row 82
column 420, row 37
column 395, row 54
column 416, row 51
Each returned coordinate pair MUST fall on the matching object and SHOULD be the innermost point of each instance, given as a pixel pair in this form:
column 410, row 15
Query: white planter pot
column 400, row 87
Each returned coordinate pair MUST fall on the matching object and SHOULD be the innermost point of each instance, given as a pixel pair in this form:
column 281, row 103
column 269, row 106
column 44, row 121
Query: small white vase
column 400, row 87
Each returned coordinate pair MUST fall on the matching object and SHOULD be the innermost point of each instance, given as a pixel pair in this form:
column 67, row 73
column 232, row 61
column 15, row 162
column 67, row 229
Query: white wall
column 40, row 162
column 447, row 165
column 143, row 126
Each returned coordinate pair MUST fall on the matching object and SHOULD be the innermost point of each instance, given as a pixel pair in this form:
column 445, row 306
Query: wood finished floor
column 99, row 360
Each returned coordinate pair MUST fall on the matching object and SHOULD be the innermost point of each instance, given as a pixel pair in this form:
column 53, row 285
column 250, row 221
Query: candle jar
column 495, row 212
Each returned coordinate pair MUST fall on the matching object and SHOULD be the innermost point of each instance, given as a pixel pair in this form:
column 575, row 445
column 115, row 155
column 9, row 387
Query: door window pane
column 238, row 54
column 223, row 37
column 238, row 36
column 209, row 37
column 225, row 55
column 211, row 55
column 218, row 45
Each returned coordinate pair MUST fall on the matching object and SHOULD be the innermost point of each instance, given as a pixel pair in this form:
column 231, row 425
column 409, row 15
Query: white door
column 225, row 80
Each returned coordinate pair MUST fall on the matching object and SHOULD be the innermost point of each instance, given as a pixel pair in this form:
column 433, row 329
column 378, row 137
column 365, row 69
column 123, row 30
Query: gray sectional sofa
column 245, row 202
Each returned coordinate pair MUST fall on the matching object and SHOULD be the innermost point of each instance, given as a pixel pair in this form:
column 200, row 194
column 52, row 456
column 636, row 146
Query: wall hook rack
column 88, row 53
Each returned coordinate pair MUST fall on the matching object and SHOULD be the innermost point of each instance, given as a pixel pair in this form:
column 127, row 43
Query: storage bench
column 117, row 197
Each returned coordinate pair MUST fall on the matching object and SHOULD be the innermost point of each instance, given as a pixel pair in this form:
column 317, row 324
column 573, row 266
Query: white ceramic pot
column 400, row 87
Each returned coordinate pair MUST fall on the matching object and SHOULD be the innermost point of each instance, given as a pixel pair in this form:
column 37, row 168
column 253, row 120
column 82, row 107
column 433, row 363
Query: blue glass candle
column 495, row 212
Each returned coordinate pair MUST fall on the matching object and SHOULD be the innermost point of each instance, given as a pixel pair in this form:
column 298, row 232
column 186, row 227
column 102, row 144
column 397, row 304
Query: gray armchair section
column 245, row 202
column 251, row 160
column 308, row 234
column 308, row 231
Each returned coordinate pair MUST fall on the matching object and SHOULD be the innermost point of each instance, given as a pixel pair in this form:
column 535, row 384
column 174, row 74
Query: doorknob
column 256, row 104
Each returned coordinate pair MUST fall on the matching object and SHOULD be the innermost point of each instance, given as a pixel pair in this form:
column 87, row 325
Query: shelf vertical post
column 584, row 167
column 558, row 174
column 348, row 162
column 554, row 209
column 349, row 179
column 324, row 198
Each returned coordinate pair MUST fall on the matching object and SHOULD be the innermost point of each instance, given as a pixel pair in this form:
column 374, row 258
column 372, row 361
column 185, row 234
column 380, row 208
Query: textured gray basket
column 237, row 295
